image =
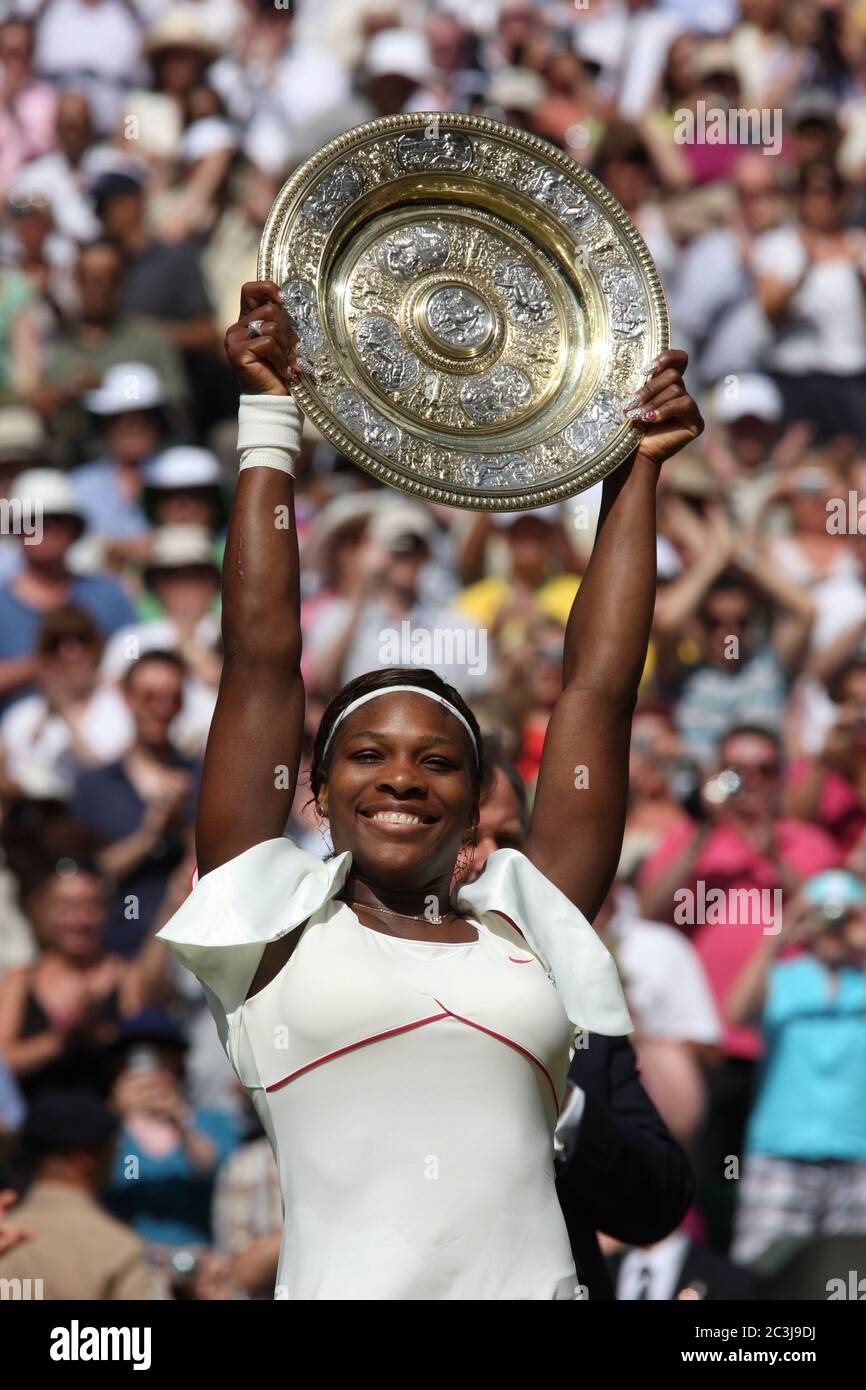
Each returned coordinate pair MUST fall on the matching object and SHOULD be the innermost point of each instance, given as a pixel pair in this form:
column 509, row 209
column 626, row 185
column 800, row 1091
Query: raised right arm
column 254, row 744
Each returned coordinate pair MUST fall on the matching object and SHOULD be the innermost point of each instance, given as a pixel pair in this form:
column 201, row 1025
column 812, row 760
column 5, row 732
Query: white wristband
column 269, row 432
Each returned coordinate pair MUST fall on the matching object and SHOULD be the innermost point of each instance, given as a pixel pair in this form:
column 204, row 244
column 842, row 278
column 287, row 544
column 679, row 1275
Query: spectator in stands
column 69, row 1247
column 45, row 581
column 726, row 882
column 810, row 286
column 735, row 677
column 141, row 807
column 183, row 486
column 70, row 721
column 59, row 1015
column 713, row 300
column 167, row 1157
column 375, row 626
column 64, row 174
column 102, row 336
column 805, row 1167
column 129, row 407
column 182, row 582
column 747, row 409
column 662, row 783
column 677, row 1025
column 26, row 105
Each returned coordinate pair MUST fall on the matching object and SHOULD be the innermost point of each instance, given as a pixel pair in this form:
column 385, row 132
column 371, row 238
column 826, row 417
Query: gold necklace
column 434, row 920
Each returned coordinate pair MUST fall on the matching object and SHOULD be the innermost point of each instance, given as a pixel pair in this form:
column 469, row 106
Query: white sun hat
column 175, row 547
column 184, row 465
column 398, row 52
column 49, row 490
column 126, row 386
column 754, row 395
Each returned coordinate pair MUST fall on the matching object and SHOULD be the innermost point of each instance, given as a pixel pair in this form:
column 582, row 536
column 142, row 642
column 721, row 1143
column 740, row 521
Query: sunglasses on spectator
column 711, row 620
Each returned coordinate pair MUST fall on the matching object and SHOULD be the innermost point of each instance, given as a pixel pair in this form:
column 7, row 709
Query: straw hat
column 22, row 434
column 181, row 27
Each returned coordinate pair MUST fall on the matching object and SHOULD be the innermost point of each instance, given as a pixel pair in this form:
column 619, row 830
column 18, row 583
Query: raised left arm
column 579, row 814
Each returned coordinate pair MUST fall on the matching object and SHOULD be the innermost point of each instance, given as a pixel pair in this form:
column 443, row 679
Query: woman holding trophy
column 405, row 1037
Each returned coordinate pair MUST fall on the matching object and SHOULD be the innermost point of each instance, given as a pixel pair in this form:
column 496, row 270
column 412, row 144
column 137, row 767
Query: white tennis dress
column 410, row 1089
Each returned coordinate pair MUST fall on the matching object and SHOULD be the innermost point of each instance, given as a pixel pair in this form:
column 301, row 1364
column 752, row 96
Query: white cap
column 551, row 514
column 402, row 518
column 516, row 89
column 183, row 466
column 401, row 52
column 126, row 386
column 341, row 514
column 206, row 136
column 177, row 546
column 49, row 490
column 754, row 395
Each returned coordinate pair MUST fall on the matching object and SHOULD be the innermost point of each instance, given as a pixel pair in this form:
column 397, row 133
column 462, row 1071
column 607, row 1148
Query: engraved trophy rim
column 286, row 212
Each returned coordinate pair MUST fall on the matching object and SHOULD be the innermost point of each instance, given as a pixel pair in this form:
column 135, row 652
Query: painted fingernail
column 632, row 401
column 635, row 414
column 649, row 414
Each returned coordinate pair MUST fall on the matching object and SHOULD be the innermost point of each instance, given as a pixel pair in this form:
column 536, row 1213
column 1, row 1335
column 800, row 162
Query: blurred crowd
column 141, row 146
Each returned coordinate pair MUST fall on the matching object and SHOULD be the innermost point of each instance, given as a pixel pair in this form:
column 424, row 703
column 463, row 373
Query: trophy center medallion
column 456, row 320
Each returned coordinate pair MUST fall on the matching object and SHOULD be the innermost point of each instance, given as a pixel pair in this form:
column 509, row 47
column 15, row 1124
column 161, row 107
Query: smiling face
column 400, row 791
column 70, row 915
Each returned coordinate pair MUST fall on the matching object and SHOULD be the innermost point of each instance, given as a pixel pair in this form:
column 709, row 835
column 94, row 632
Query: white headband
column 415, row 690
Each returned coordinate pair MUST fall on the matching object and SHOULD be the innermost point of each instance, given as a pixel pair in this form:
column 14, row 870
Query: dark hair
column 495, row 760
column 821, row 171
column 624, row 142
column 64, row 624
column 37, row 835
column 835, row 684
column 753, row 731
column 41, row 875
column 161, row 657
column 729, row 582
column 383, row 681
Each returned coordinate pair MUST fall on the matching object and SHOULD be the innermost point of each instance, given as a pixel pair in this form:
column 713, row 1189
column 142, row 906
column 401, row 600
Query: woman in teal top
column 805, row 1166
column 19, row 338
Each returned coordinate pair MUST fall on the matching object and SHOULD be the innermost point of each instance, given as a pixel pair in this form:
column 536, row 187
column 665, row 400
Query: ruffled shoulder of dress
column 583, row 970
column 232, row 913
